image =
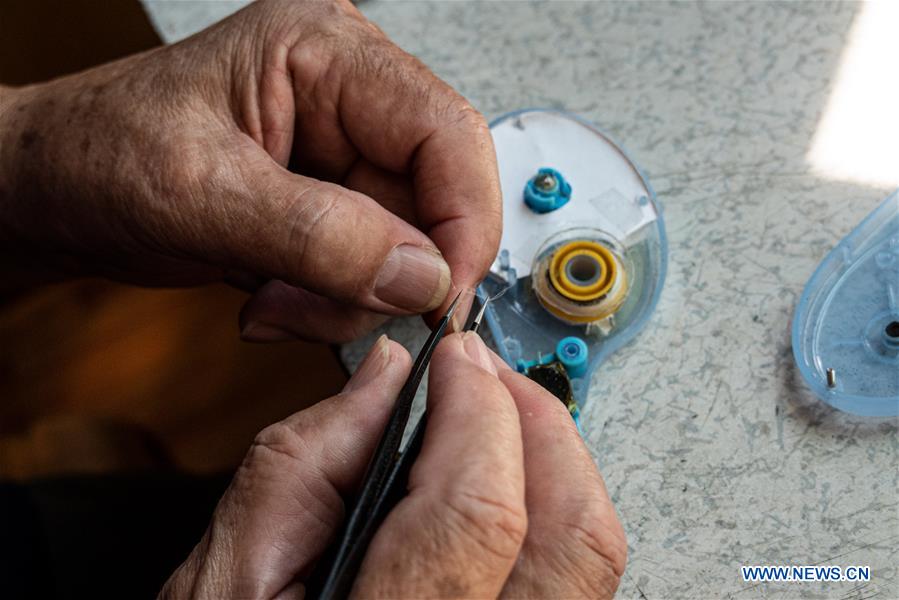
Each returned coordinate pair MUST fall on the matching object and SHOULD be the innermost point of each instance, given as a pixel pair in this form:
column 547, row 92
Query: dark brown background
column 98, row 377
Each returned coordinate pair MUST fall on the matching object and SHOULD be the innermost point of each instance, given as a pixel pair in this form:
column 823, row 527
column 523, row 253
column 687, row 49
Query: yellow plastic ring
column 587, row 254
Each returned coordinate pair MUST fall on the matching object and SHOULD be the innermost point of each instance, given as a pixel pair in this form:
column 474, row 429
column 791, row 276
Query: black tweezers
column 385, row 481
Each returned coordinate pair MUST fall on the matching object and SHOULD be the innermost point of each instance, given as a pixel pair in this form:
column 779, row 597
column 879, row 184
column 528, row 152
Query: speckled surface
column 714, row 452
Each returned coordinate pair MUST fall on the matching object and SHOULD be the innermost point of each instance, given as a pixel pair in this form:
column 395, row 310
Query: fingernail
column 413, row 278
column 263, row 332
column 374, row 363
column 477, row 351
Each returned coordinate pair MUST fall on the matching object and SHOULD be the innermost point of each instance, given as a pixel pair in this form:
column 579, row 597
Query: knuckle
column 308, row 220
column 333, row 243
column 597, row 549
column 597, row 535
column 473, row 118
column 308, row 64
column 287, row 456
column 458, row 112
column 278, row 439
column 495, row 524
column 318, row 33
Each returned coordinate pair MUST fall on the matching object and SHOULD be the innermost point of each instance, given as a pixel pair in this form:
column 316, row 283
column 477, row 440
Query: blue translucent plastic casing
column 521, row 327
column 844, row 317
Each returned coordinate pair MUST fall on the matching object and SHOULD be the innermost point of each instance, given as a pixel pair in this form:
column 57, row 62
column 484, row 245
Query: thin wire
column 476, row 323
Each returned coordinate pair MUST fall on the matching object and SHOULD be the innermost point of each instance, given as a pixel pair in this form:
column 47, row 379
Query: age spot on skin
column 450, row 587
column 95, row 94
column 28, row 138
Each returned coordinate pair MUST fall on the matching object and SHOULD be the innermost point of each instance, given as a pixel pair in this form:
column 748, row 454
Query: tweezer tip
column 452, row 306
column 480, row 316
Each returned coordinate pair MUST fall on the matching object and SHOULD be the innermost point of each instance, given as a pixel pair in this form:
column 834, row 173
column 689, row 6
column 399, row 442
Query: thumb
column 340, row 244
column 459, row 531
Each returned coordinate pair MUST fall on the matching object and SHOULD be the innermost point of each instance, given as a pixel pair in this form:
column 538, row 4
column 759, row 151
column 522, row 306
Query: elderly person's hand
column 291, row 149
column 503, row 499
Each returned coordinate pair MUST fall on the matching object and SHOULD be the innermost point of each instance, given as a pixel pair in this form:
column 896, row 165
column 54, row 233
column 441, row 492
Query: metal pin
column 831, row 378
column 476, row 323
column 452, row 307
column 545, row 181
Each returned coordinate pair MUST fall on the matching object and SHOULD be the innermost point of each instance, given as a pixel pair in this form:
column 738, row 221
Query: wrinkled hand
column 291, row 149
column 504, row 498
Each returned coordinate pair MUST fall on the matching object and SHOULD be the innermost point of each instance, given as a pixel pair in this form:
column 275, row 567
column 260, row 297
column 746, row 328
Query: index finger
column 575, row 545
column 404, row 119
column 458, row 196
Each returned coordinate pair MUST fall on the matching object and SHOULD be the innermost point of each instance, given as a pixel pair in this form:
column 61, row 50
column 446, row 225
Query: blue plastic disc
column 846, row 327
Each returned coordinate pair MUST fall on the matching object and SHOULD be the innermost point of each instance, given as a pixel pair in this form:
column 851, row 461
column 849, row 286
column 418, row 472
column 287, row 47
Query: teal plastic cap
column 572, row 352
column 547, row 191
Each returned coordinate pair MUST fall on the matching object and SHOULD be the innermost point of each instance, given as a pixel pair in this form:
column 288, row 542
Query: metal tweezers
column 386, row 479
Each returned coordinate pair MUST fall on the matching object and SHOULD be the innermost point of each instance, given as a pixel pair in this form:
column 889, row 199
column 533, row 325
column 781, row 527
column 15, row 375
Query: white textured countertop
column 713, row 450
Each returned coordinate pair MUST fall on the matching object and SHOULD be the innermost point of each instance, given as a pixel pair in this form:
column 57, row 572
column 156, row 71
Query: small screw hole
column 892, row 329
